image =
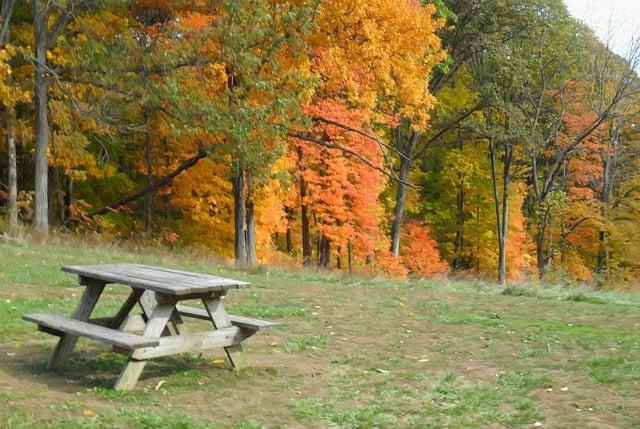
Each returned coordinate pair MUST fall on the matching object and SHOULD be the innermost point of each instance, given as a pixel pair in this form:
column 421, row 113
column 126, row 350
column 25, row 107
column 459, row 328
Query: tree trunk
column 12, row 171
column 401, row 193
column 251, row 224
column 506, row 182
column 541, row 258
column 501, row 218
column 238, row 217
column 288, row 237
column 350, row 257
column 148, row 206
column 324, row 253
column 41, row 101
column 68, row 201
column 306, row 235
column 398, row 210
column 459, row 240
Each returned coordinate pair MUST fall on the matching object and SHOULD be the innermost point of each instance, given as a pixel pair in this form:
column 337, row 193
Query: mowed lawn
column 351, row 352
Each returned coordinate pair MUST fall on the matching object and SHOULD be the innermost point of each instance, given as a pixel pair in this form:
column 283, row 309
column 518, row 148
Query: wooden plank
column 67, row 342
column 126, row 308
column 196, row 343
column 173, row 282
column 251, row 323
column 170, row 280
column 224, row 281
column 176, row 276
column 95, row 332
column 220, row 320
column 153, row 329
column 133, row 323
column 97, row 274
column 240, row 321
column 148, row 302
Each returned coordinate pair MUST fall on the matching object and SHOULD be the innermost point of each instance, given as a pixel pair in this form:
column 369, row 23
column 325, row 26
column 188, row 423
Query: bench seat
column 58, row 325
column 239, row 321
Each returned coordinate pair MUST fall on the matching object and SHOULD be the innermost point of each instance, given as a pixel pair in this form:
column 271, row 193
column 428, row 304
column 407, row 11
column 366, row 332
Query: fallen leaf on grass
column 159, row 385
column 564, row 389
column 88, row 412
column 382, row 371
column 217, row 361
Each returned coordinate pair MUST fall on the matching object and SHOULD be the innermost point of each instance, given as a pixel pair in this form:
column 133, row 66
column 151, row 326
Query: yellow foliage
column 379, row 53
column 203, row 194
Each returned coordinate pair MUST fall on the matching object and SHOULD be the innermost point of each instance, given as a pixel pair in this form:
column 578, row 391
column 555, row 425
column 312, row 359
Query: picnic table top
column 163, row 280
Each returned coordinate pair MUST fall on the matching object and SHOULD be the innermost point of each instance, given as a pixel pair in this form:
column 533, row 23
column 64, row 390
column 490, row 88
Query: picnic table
column 158, row 292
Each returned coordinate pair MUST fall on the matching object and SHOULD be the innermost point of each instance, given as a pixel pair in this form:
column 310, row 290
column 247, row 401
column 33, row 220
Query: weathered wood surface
column 240, row 321
column 157, row 291
column 82, row 313
column 220, row 319
column 153, row 329
column 195, row 343
column 163, row 280
column 126, row 308
column 64, row 325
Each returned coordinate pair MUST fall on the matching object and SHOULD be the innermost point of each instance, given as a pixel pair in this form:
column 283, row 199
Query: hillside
column 351, row 353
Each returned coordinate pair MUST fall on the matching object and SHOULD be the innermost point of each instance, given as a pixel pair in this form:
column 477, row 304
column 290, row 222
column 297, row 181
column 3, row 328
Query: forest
column 492, row 139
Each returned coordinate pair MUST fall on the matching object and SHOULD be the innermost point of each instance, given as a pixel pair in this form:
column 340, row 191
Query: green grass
column 351, row 352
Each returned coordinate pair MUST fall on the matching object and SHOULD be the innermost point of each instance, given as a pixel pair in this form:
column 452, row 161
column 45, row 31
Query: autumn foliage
column 302, row 132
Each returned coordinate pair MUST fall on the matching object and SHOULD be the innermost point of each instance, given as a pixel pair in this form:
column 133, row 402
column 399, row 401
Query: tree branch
column 348, row 151
column 166, row 180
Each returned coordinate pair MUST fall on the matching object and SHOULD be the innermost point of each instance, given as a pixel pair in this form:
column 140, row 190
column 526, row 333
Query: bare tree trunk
column 401, row 193
column 68, row 201
column 350, row 257
column 288, row 237
column 398, row 210
column 12, row 171
column 541, row 258
column 306, row 235
column 506, row 183
column 602, row 263
column 324, row 253
column 41, row 90
column 459, row 240
column 148, row 207
column 251, row 223
column 501, row 218
column 238, row 217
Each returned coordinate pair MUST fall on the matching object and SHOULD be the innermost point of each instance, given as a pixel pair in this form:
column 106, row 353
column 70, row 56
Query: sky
column 614, row 20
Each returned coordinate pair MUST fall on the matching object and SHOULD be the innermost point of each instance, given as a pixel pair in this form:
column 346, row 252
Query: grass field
column 351, row 353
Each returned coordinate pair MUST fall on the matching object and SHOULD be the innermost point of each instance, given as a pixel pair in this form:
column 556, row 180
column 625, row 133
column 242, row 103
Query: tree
column 45, row 37
column 8, row 103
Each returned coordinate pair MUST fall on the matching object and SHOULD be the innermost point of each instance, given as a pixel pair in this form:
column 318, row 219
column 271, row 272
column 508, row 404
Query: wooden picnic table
column 158, row 292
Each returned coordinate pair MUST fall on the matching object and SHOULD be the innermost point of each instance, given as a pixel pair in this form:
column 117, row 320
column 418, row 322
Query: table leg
column 153, row 329
column 148, row 303
column 220, row 319
column 67, row 342
column 126, row 308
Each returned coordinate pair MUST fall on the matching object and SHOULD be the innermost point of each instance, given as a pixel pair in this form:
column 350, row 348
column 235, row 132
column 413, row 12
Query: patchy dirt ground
column 350, row 353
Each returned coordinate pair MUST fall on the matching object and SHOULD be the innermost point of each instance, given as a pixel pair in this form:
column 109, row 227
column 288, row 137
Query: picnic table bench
column 157, row 291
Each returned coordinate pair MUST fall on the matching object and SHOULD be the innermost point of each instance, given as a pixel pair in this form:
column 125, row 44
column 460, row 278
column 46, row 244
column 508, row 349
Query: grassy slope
column 351, row 353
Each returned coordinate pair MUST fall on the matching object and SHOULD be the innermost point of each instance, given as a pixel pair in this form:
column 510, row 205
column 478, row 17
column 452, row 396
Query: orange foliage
column 420, row 254
column 519, row 246
column 342, row 190
column 390, row 265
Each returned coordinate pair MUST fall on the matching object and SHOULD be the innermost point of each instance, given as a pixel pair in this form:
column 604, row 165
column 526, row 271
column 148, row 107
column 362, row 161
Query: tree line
column 487, row 138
